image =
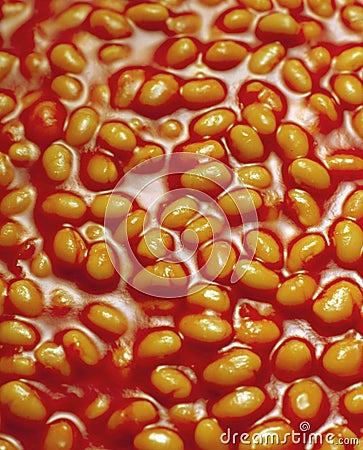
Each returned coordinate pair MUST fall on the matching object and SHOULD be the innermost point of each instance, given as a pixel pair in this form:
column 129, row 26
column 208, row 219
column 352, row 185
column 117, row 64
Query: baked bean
column 296, row 291
column 7, row 61
column 17, row 333
column 181, row 53
column 290, row 4
column 101, row 169
column 207, row 177
column 349, row 60
column 155, row 244
column 296, row 76
column 52, row 356
column 223, row 55
column 344, row 162
column 100, row 94
column 23, row 153
column 77, row 342
column 202, row 93
column 266, row 95
column 114, row 53
column 99, row 265
column 65, row 206
column 305, row 250
column 69, row 246
column 184, row 23
column 81, row 126
column 209, row 148
column 325, row 106
column 305, row 399
column 309, row 173
column 237, row 20
column 171, row 382
column 353, row 400
column 245, row 142
column 131, row 227
column 16, row 202
column 349, row 89
column 240, row 201
column 159, row 91
column 171, row 129
column 256, row 176
column 255, row 275
column 203, row 228
column 293, row 360
column 266, row 58
column 73, row 16
column 98, row 407
column 128, row 85
column 262, row 332
column 11, row 234
column 114, row 206
column 36, row 65
column 159, row 344
column 293, row 140
column 219, row 259
column 118, row 136
column 318, row 59
column 139, row 412
column 148, row 15
column 142, row 154
column 109, row 24
column 158, row 438
column 26, row 297
column 61, row 299
column 185, row 414
column 353, row 205
column 336, row 304
column 22, row 401
column 67, row 58
column 348, row 241
column 235, row 367
column 214, row 122
column 344, row 358
column 322, row 8
column 278, row 23
column 352, row 15
column 6, row 171
column 357, row 123
column 242, row 402
column 260, row 117
column 207, row 434
column 95, row 232
column 209, row 297
column 264, row 246
column 7, row 105
column 258, row 435
column 110, row 4
column 107, row 318
column 57, row 162
column 41, row 266
column 67, row 87
column 178, row 213
column 305, row 207
column 17, row 364
column 3, row 294
column 258, row 5
column 205, row 328
column 59, row 436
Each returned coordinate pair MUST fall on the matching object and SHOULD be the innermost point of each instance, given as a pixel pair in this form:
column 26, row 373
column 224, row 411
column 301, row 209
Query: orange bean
column 240, row 403
column 204, row 92
column 181, row 53
column 109, row 24
column 223, row 55
column 306, row 249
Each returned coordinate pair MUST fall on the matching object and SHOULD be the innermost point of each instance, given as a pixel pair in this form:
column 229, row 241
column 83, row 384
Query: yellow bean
column 67, row 87
column 305, row 207
column 101, row 169
column 255, row 275
column 11, row 234
column 82, row 126
column 159, row 91
column 158, row 438
column 210, row 148
column 98, row 407
column 223, row 55
column 24, row 153
column 313, row 396
column 353, row 205
column 264, row 246
column 349, row 89
column 205, row 328
column 278, row 23
column 80, row 344
column 305, row 250
column 353, row 401
column 309, row 173
column 233, row 368
column 6, row 170
column 348, row 241
column 171, row 382
column 23, row 401
column 26, row 297
column 144, row 153
column 69, row 247
column 293, row 360
column 7, row 105
column 59, row 436
column 214, row 122
column 67, row 58
column 99, row 265
column 57, row 162
column 52, row 356
column 256, row 176
column 155, row 244
column 209, row 297
column 109, row 24
column 352, row 15
column 349, row 60
column 246, row 143
column 114, row 206
column 16, row 202
column 204, row 228
column 107, row 318
column 219, row 259
column 241, row 201
column 178, row 213
column 65, row 206
column 240, row 403
column 17, row 364
column 207, row 434
column 181, row 53
column 118, row 136
column 128, row 85
column 344, row 358
column 344, row 162
column 266, row 58
column 322, row 8
column 147, row 15
column 260, row 117
column 237, row 20
column 325, row 106
column 41, row 266
column 258, row 5
column 293, row 140
column 206, row 92
column 318, row 59
column 263, row 332
column 140, row 412
column 279, row 428
column 207, row 177
column 73, row 16
column 6, row 63
column 15, row 332
column 296, row 291
column 159, row 344
column 296, row 76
